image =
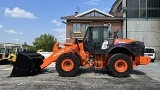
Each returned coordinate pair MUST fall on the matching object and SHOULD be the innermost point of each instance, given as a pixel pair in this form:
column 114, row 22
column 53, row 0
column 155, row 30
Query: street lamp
column 64, row 22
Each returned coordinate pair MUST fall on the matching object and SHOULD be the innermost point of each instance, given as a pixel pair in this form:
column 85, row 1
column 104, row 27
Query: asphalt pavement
column 145, row 77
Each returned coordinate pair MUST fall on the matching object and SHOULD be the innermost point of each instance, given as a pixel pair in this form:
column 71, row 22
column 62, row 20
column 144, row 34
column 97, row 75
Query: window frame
column 84, row 26
column 76, row 28
column 145, row 9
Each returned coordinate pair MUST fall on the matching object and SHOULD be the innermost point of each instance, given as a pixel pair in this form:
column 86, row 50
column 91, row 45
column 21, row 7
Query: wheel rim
column 121, row 66
column 67, row 65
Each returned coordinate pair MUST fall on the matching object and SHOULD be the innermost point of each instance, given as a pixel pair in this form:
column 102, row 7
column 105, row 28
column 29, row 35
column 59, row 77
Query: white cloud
column 19, row 13
column 56, row 22
column 1, row 26
column 60, row 30
column 105, row 9
column 13, row 32
column 60, row 34
column 15, row 39
column 92, row 2
column 62, row 37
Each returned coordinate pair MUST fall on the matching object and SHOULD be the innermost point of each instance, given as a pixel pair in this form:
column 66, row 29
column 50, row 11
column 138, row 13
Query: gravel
column 145, row 77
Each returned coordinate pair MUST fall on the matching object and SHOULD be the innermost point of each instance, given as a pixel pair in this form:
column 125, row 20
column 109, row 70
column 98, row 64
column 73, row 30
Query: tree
column 44, row 42
column 25, row 45
column 31, row 49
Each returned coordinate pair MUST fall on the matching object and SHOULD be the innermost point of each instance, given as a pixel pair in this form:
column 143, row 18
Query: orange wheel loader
column 99, row 49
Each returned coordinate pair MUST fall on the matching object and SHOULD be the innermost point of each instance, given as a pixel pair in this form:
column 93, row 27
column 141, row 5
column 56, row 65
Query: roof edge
column 93, row 10
column 114, row 5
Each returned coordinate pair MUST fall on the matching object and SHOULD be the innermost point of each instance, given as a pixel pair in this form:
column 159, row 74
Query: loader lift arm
column 56, row 53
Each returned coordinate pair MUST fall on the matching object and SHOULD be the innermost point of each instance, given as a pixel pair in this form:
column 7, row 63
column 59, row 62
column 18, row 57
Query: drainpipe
column 126, row 19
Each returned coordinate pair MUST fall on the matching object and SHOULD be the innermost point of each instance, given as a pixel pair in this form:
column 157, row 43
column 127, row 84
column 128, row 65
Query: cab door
column 94, row 39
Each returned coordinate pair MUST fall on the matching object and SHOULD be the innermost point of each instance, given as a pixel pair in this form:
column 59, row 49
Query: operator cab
column 97, row 39
column 2, row 50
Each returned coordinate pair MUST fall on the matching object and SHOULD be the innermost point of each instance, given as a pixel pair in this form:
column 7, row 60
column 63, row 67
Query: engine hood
column 120, row 42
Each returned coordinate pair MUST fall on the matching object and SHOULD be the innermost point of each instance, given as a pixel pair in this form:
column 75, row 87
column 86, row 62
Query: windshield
column 96, row 34
column 149, row 51
column 19, row 50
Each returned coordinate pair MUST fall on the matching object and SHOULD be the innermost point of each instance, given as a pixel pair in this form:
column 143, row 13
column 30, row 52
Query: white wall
column 147, row 31
column 45, row 54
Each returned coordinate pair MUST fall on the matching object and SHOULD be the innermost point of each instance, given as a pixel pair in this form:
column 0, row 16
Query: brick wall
column 116, row 25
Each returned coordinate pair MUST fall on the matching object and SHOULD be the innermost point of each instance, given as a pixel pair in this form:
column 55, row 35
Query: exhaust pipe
column 27, row 64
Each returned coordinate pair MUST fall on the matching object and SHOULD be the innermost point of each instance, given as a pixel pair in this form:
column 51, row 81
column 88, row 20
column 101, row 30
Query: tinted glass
column 149, row 51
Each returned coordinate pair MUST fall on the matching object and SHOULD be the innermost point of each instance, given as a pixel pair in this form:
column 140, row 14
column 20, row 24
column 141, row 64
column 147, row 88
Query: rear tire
column 119, row 65
column 67, row 65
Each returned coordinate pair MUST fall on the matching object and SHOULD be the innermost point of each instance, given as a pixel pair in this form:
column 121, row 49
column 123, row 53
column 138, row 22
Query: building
column 142, row 20
column 10, row 45
column 77, row 24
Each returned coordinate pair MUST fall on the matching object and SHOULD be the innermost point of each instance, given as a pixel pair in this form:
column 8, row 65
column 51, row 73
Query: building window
column 132, row 8
column 76, row 27
column 143, row 9
column 94, row 14
column 84, row 27
column 119, row 8
column 153, row 8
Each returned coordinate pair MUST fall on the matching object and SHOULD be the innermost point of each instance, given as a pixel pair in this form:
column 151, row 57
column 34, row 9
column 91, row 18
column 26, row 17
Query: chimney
column 76, row 13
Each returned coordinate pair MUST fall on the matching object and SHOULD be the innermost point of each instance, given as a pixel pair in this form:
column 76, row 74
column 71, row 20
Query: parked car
column 149, row 51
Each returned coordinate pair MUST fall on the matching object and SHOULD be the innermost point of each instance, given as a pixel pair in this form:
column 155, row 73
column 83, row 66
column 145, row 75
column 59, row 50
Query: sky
column 24, row 20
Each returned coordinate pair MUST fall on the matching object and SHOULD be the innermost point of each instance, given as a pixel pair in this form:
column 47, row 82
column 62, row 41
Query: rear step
column 27, row 64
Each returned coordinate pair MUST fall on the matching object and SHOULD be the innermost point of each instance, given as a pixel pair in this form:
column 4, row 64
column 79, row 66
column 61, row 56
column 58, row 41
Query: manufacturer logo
column 121, row 42
column 58, row 53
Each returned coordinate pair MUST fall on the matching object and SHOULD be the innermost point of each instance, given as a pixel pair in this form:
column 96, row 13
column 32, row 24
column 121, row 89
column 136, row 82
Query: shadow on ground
column 81, row 71
column 4, row 62
column 91, row 70
column 137, row 72
column 86, row 71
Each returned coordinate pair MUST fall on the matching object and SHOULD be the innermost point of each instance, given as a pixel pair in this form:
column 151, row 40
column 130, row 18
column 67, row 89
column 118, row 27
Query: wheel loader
column 4, row 52
column 100, row 49
column 13, row 54
column 9, row 54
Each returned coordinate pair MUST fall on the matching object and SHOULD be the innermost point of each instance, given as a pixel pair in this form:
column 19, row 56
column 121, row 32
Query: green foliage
column 44, row 42
column 28, row 48
column 25, row 44
column 31, row 49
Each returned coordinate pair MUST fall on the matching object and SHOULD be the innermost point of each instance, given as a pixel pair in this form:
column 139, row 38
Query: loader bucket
column 27, row 64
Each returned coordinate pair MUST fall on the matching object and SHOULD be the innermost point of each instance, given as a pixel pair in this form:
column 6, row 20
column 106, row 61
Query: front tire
column 119, row 65
column 67, row 65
